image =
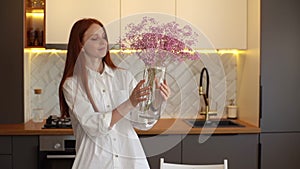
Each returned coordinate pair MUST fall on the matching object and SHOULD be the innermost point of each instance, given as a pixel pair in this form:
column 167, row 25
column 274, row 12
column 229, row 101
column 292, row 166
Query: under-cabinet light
column 43, row 50
column 115, row 51
column 35, row 14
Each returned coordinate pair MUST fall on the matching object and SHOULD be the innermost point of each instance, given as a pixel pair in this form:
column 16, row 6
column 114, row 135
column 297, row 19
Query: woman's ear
column 82, row 47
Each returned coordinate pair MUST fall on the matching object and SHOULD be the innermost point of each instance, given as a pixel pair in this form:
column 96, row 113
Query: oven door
column 56, row 160
column 56, row 152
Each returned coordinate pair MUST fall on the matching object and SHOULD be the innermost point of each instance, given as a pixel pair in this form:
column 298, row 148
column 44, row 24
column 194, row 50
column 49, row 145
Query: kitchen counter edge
column 163, row 126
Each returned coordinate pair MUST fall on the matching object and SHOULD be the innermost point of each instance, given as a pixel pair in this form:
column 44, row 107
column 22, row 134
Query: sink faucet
column 206, row 112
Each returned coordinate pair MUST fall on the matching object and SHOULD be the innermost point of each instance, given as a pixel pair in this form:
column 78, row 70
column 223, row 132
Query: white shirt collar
column 107, row 70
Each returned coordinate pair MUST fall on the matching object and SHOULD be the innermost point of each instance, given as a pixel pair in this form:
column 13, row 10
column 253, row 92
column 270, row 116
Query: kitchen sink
column 197, row 123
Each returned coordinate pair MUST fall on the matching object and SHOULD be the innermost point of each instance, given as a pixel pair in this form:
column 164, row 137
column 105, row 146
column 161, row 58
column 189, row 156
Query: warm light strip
column 220, row 51
column 43, row 50
column 233, row 51
column 33, row 14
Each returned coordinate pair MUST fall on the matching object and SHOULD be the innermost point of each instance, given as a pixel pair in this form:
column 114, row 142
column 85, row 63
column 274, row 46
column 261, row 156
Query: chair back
column 164, row 165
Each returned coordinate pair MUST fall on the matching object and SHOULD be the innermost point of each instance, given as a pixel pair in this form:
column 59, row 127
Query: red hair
column 73, row 51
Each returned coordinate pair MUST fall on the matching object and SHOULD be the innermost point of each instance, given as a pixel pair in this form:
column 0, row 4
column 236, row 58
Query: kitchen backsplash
column 44, row 70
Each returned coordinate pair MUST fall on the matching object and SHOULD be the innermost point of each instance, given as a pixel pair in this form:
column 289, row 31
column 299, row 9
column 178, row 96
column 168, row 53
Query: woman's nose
column 103, row 42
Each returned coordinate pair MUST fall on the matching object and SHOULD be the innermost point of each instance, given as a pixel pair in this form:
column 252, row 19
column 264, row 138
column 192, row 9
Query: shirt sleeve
column 93, row 123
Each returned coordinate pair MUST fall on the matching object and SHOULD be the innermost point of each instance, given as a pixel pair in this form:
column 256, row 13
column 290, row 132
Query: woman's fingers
column 139, row 93
column 165, row 90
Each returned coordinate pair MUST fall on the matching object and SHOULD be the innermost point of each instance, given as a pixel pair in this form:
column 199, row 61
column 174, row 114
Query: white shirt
column 97, row 145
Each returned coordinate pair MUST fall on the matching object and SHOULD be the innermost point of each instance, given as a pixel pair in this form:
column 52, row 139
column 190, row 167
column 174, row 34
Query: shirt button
column 114, row 139
column 116, row 156
column 103, row 90
column 108, row 106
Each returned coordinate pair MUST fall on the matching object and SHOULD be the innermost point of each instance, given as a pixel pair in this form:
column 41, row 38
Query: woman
column 100, row 100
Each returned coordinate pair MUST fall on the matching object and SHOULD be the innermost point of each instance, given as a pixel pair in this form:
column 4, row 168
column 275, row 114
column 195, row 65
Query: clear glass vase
column 151, row 109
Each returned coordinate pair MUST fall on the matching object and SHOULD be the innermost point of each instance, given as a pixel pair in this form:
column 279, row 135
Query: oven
column 56, row 151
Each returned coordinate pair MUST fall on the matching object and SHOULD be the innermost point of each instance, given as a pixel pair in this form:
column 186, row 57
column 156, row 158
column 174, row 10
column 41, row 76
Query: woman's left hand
column 164, row 89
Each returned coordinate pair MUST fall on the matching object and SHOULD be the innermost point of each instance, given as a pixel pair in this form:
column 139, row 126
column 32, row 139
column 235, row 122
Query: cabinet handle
column 60, row 156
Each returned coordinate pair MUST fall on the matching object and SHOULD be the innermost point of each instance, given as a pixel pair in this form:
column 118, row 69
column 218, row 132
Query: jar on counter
column 37, row 110
column 232, row 110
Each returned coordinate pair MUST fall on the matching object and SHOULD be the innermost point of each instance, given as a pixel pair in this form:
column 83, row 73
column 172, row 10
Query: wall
column 248, row 68
column 44, row 70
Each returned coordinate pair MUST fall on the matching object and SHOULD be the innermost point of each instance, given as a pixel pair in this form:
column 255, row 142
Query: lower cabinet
column 280, row 150
column 161, row 146
column 18, row 152
column 241, row 150
column 5, row 161
column 6, row 152
column 25, row 152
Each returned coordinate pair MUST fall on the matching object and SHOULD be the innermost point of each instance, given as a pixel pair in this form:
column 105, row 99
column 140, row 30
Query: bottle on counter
column 37, row 110
column 232, row 110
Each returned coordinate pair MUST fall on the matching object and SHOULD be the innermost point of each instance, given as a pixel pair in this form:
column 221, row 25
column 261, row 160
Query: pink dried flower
column 159, row 44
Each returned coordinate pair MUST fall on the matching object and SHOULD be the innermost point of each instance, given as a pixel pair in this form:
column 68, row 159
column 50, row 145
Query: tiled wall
column 44, row 70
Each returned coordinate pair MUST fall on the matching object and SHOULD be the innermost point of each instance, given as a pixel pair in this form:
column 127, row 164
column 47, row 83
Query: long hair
column 74, row 48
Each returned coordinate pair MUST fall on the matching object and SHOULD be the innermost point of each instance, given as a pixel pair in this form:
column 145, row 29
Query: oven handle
column 60, row 156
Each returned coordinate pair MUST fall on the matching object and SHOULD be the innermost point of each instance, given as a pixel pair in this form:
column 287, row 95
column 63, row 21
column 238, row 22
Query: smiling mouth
column 101, row 49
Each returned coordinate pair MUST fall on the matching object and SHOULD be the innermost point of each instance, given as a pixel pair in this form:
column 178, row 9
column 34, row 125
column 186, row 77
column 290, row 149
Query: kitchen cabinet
column 5, row 152
column 34, row 23
column 25, row 152
column 241, row 150
column 280, row 81
column 280, row 150
column 131, row 7
column 6, row 161
column 132, row 11
column 11, row 65
column 224, row 22
column 58, row 25
column 162, row 146
column 18, row 152
column 280, row 58
column 61, row 15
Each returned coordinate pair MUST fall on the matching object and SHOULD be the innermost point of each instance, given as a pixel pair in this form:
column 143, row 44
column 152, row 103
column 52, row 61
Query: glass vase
column 151, row 109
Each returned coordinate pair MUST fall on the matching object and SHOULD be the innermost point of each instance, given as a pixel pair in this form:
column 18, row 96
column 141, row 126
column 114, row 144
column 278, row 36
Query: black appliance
column 53, row 121
column 56, row 151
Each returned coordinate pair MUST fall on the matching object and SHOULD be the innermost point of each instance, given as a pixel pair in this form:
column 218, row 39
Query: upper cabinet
column 62, row 14
column 132, row 11
column 34, row 23
column 131, row 7
column 224, row 22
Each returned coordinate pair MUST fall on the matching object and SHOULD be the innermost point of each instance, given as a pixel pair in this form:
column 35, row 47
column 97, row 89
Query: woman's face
column 94, row 40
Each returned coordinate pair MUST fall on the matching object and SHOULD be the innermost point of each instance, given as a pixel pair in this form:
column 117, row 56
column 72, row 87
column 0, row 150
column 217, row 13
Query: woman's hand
column 138, row 94
column 164, row 89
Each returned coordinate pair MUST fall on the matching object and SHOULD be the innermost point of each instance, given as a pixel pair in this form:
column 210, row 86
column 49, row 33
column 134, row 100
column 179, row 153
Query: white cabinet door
column 62, row 14
column 130, row 7
column 132, row 11
column 224, row 22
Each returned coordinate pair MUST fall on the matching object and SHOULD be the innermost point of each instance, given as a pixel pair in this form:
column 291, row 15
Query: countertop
column 163, row 126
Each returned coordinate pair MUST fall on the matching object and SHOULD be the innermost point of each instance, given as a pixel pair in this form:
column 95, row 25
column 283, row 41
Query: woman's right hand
column 138, row 94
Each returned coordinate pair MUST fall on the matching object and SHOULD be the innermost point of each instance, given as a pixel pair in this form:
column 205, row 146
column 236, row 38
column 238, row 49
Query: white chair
column 164, row 165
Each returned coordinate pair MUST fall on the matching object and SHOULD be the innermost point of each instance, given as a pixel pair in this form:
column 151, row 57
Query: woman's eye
column 94, row 38
column 98, row 38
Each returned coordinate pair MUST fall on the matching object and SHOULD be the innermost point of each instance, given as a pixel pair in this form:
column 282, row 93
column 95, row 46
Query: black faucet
column 206, row 113
column 205, row 95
